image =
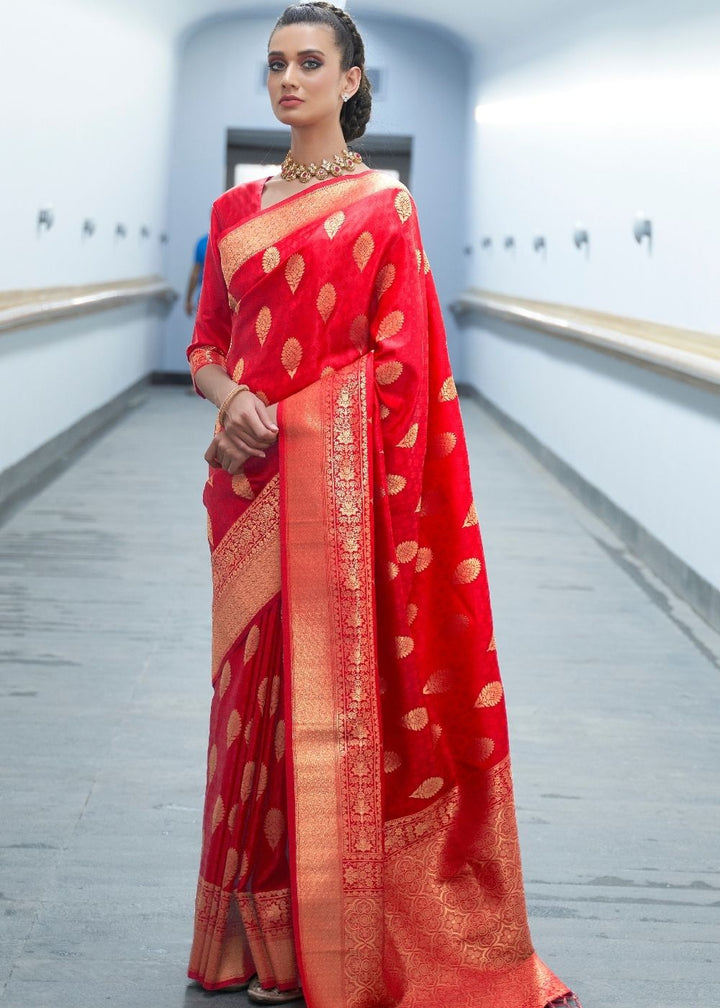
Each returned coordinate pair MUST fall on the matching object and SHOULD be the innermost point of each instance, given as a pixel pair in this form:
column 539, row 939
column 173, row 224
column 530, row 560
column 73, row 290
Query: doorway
column 253, row 154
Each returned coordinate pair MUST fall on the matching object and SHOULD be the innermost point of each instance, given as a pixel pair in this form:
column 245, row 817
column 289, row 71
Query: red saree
column 359, row 832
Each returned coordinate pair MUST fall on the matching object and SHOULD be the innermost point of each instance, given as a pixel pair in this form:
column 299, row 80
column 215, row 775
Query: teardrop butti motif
column 291, row 356
column 471, row 518
column 263, row 323
column 412, row 611
column 385, row 279
column 363, row 249
column 218, row 813
column 262, row 694
column 490, row 695
column 439, row 682
column 393, row 570
column 251, row 643
column 274, row 694
column 270, row 259
column 294, row 269
column 403, row 205
column 390, row 325
column 241, row 486
column 418, row 259
column 429, row 788
column 395, row 483
column 467, row 570
column 484, row 748
column 238, row 372
column 225, row 678
column 280, row 741
column 247, row 780
column 212, row 763
column 448, row 390
column 410, row 438
column 388, row 372
column 234, row 727
column 426, row 262
column 326, row 301
column 360, row 332
column 333, row 224
column 261, row 782
column 416, row 719
column 274, row 827
column 444, row 443
column 384, row 412
column 391, row 761
column 407, row 551
column 232, row 817
column 424, row 559
column 404, row 646
column 492, row 646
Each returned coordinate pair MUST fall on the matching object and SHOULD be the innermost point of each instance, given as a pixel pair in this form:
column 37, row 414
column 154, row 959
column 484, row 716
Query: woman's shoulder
column 238, row 203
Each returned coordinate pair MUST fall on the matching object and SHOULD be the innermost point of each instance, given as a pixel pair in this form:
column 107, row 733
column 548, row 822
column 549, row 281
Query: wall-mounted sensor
column 581, row 237
column 486, row 242
column 120, row 230
column 509, row 242
column 88, row 227
column 643, row 228
column 144, row 231
column 540, row 243
column 45, row 218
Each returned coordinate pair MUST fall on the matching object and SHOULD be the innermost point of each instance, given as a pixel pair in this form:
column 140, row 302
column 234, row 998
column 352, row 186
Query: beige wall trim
column 22, row 308
column 683, row 353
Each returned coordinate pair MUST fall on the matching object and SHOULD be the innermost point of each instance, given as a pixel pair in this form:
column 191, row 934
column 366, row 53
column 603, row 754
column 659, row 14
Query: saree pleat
column 383, row 870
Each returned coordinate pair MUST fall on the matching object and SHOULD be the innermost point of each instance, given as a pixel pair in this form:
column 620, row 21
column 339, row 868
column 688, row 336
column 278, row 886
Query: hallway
column 613, row 690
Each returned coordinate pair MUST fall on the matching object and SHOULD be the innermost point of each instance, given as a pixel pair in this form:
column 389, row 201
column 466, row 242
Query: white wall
column 84, row 127
column 595, row 124
column 220, row 86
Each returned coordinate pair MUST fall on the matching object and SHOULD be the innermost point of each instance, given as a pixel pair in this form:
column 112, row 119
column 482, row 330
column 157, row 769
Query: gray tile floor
column 613, row 688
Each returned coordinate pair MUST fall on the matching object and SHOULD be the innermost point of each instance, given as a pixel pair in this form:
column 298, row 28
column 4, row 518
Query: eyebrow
column 303, row 52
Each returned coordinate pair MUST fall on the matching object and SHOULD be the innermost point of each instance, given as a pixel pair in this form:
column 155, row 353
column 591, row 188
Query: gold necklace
column 291, row 170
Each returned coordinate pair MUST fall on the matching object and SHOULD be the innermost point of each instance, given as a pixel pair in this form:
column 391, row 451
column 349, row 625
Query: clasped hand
column 249, row 429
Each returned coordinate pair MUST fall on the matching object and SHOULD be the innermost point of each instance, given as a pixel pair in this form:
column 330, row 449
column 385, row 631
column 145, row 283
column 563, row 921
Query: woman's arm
column 249, row 426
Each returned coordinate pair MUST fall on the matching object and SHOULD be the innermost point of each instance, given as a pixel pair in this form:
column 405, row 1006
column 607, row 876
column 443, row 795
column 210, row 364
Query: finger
column 263, row 414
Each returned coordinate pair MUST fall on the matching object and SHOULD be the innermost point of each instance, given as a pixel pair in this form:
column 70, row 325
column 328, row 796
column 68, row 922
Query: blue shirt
column 200, row 252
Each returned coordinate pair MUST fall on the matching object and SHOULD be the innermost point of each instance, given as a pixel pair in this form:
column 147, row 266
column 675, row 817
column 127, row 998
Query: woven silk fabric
column 359, row 833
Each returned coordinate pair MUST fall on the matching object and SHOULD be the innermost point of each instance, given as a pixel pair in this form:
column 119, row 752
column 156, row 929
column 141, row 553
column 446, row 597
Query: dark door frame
column 271, row 146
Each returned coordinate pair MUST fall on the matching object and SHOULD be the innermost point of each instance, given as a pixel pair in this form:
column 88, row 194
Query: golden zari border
column 246, row 570
column 270, row 226
column 336, row 779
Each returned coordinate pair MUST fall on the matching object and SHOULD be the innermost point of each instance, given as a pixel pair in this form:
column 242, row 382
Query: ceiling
column 483, row 25
column 479, row 23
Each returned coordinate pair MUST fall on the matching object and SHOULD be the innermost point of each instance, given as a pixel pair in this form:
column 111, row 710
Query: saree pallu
column 359, row 831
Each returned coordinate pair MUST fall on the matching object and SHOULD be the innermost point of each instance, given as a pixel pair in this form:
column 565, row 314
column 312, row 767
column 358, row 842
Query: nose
column 288, row 77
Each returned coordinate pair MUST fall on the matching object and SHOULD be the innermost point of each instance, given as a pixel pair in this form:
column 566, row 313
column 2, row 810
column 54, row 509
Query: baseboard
column 170, row 378
column 24, row 479
column 677, row 575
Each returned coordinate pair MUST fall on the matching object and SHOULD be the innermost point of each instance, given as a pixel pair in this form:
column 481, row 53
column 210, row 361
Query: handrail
column 684, row 353
column 38, row 306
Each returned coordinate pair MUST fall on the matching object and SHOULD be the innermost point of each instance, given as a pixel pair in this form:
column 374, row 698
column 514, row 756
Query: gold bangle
column 227, row 400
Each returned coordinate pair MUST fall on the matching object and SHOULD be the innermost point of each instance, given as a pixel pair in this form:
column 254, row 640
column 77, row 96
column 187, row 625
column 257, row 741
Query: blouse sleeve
column 213, row 323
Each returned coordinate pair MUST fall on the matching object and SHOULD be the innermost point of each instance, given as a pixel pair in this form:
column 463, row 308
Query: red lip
column 291, row 100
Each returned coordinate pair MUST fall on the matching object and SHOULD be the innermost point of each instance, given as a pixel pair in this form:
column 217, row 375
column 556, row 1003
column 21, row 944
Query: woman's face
column 305, row 81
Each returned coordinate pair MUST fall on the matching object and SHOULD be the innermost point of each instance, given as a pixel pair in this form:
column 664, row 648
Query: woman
column 359, row 844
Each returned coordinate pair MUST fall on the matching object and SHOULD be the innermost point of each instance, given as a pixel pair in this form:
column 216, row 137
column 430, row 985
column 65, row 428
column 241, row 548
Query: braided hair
column 355, row 112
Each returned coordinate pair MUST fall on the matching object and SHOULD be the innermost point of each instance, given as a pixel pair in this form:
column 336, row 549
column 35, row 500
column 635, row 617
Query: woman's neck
column 310, row 146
